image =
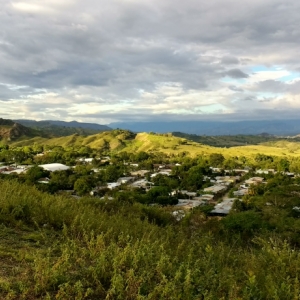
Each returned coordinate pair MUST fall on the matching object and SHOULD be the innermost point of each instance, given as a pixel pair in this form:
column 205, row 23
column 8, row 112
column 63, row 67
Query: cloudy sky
column 119, row 60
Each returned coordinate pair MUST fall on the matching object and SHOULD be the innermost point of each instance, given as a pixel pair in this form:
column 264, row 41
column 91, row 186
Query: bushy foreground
column 54, row 247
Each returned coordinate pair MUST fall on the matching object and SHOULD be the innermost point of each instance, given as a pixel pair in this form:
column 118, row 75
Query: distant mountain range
column 12, row 130
column 276, row 127
column 61, row 128
column 72, row 124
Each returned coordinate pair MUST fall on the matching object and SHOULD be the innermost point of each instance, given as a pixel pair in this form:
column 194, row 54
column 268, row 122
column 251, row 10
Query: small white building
column 143, row 183
column 254, row 180
column 215, row 189
column 206, row 198
column 240, row 193
column 45, row 180
column 125, row 180
column 223, row 208
column 189, row 204
column 268, row 171
column 86, row 160
column 113, row 185
column 54, row 167
column 140, row 173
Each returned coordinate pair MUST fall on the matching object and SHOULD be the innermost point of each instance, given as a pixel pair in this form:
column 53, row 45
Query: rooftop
column 54, row 167
column 224, row 207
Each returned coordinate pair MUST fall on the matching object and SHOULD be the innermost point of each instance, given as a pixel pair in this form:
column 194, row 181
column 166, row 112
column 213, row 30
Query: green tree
column 61, row 179
column 112, row 173
column 283, row 165
column 244, row 222
column 82, row 186
column 216, row 159
column 34, row 173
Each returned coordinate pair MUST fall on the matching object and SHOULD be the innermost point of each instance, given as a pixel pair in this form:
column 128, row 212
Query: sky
column 167, row 60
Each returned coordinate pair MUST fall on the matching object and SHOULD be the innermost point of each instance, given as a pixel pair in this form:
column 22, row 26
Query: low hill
column 11, row 131
column 123, row 140
column 111, row 140
column 228, row 140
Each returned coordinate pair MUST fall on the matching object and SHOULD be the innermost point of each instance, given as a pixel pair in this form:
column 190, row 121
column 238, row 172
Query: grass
column 92, row 249
column 19, row 247
column 123, row 141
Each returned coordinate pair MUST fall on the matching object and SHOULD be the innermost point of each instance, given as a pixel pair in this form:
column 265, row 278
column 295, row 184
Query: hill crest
column 10, row 130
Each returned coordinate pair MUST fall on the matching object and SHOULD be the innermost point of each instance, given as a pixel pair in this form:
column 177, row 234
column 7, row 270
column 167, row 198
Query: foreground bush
column 91, row 249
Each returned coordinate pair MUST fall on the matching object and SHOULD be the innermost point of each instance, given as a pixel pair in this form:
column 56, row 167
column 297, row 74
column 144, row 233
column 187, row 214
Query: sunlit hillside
column 122, row 140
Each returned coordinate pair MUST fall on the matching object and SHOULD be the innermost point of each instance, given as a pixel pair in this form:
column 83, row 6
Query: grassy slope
column 167, row 143
column 227, row 140
column 53, row 247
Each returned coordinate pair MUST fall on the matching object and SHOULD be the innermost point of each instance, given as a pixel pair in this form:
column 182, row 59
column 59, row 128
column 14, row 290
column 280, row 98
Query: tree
column 158, row 191
column 141, row 156
column 230, row 163
column 82, row 186
column 244, row 222
column 4, row 147
column 61, row 179
column 216, row 159
column 283, row 165
column 112, row 173
column 193, row 179
column 35, row 173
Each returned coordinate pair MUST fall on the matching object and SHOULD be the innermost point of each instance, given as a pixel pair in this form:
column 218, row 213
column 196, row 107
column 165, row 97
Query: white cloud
column 268, row 75
column 63, row 59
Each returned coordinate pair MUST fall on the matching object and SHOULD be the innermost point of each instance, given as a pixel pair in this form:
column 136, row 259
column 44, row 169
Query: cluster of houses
column 19, row 169
column 189, row 200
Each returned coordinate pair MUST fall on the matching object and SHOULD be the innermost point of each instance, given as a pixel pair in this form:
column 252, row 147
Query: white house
column 54, row 167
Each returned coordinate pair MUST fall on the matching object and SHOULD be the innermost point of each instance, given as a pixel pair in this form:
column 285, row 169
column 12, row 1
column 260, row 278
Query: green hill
column 123, row 140
column 11, row 131
column 227, row 140
column 112, row 140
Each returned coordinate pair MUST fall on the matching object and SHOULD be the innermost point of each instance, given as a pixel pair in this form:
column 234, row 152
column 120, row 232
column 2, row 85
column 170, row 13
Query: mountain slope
column 61, row 128
column 11, row 131
column 227, row 140
column 111, row 140
column 122, row 140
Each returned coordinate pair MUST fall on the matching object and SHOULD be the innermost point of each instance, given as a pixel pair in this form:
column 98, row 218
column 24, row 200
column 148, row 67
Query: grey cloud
column 235, row 88
column 240, row 115
column 265, row 100
column 236, row 73
column 229, row 60
column 249, row 98
column 276, row 86
column 114, row 49
column 273, row 86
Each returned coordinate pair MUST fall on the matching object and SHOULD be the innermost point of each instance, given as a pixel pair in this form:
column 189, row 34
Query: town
column 181, row 182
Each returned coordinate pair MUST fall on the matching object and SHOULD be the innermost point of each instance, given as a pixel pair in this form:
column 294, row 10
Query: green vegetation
column 10, row 131
column 55, row 247
column 227, row 140
column 129, row 245
column 122, row 140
